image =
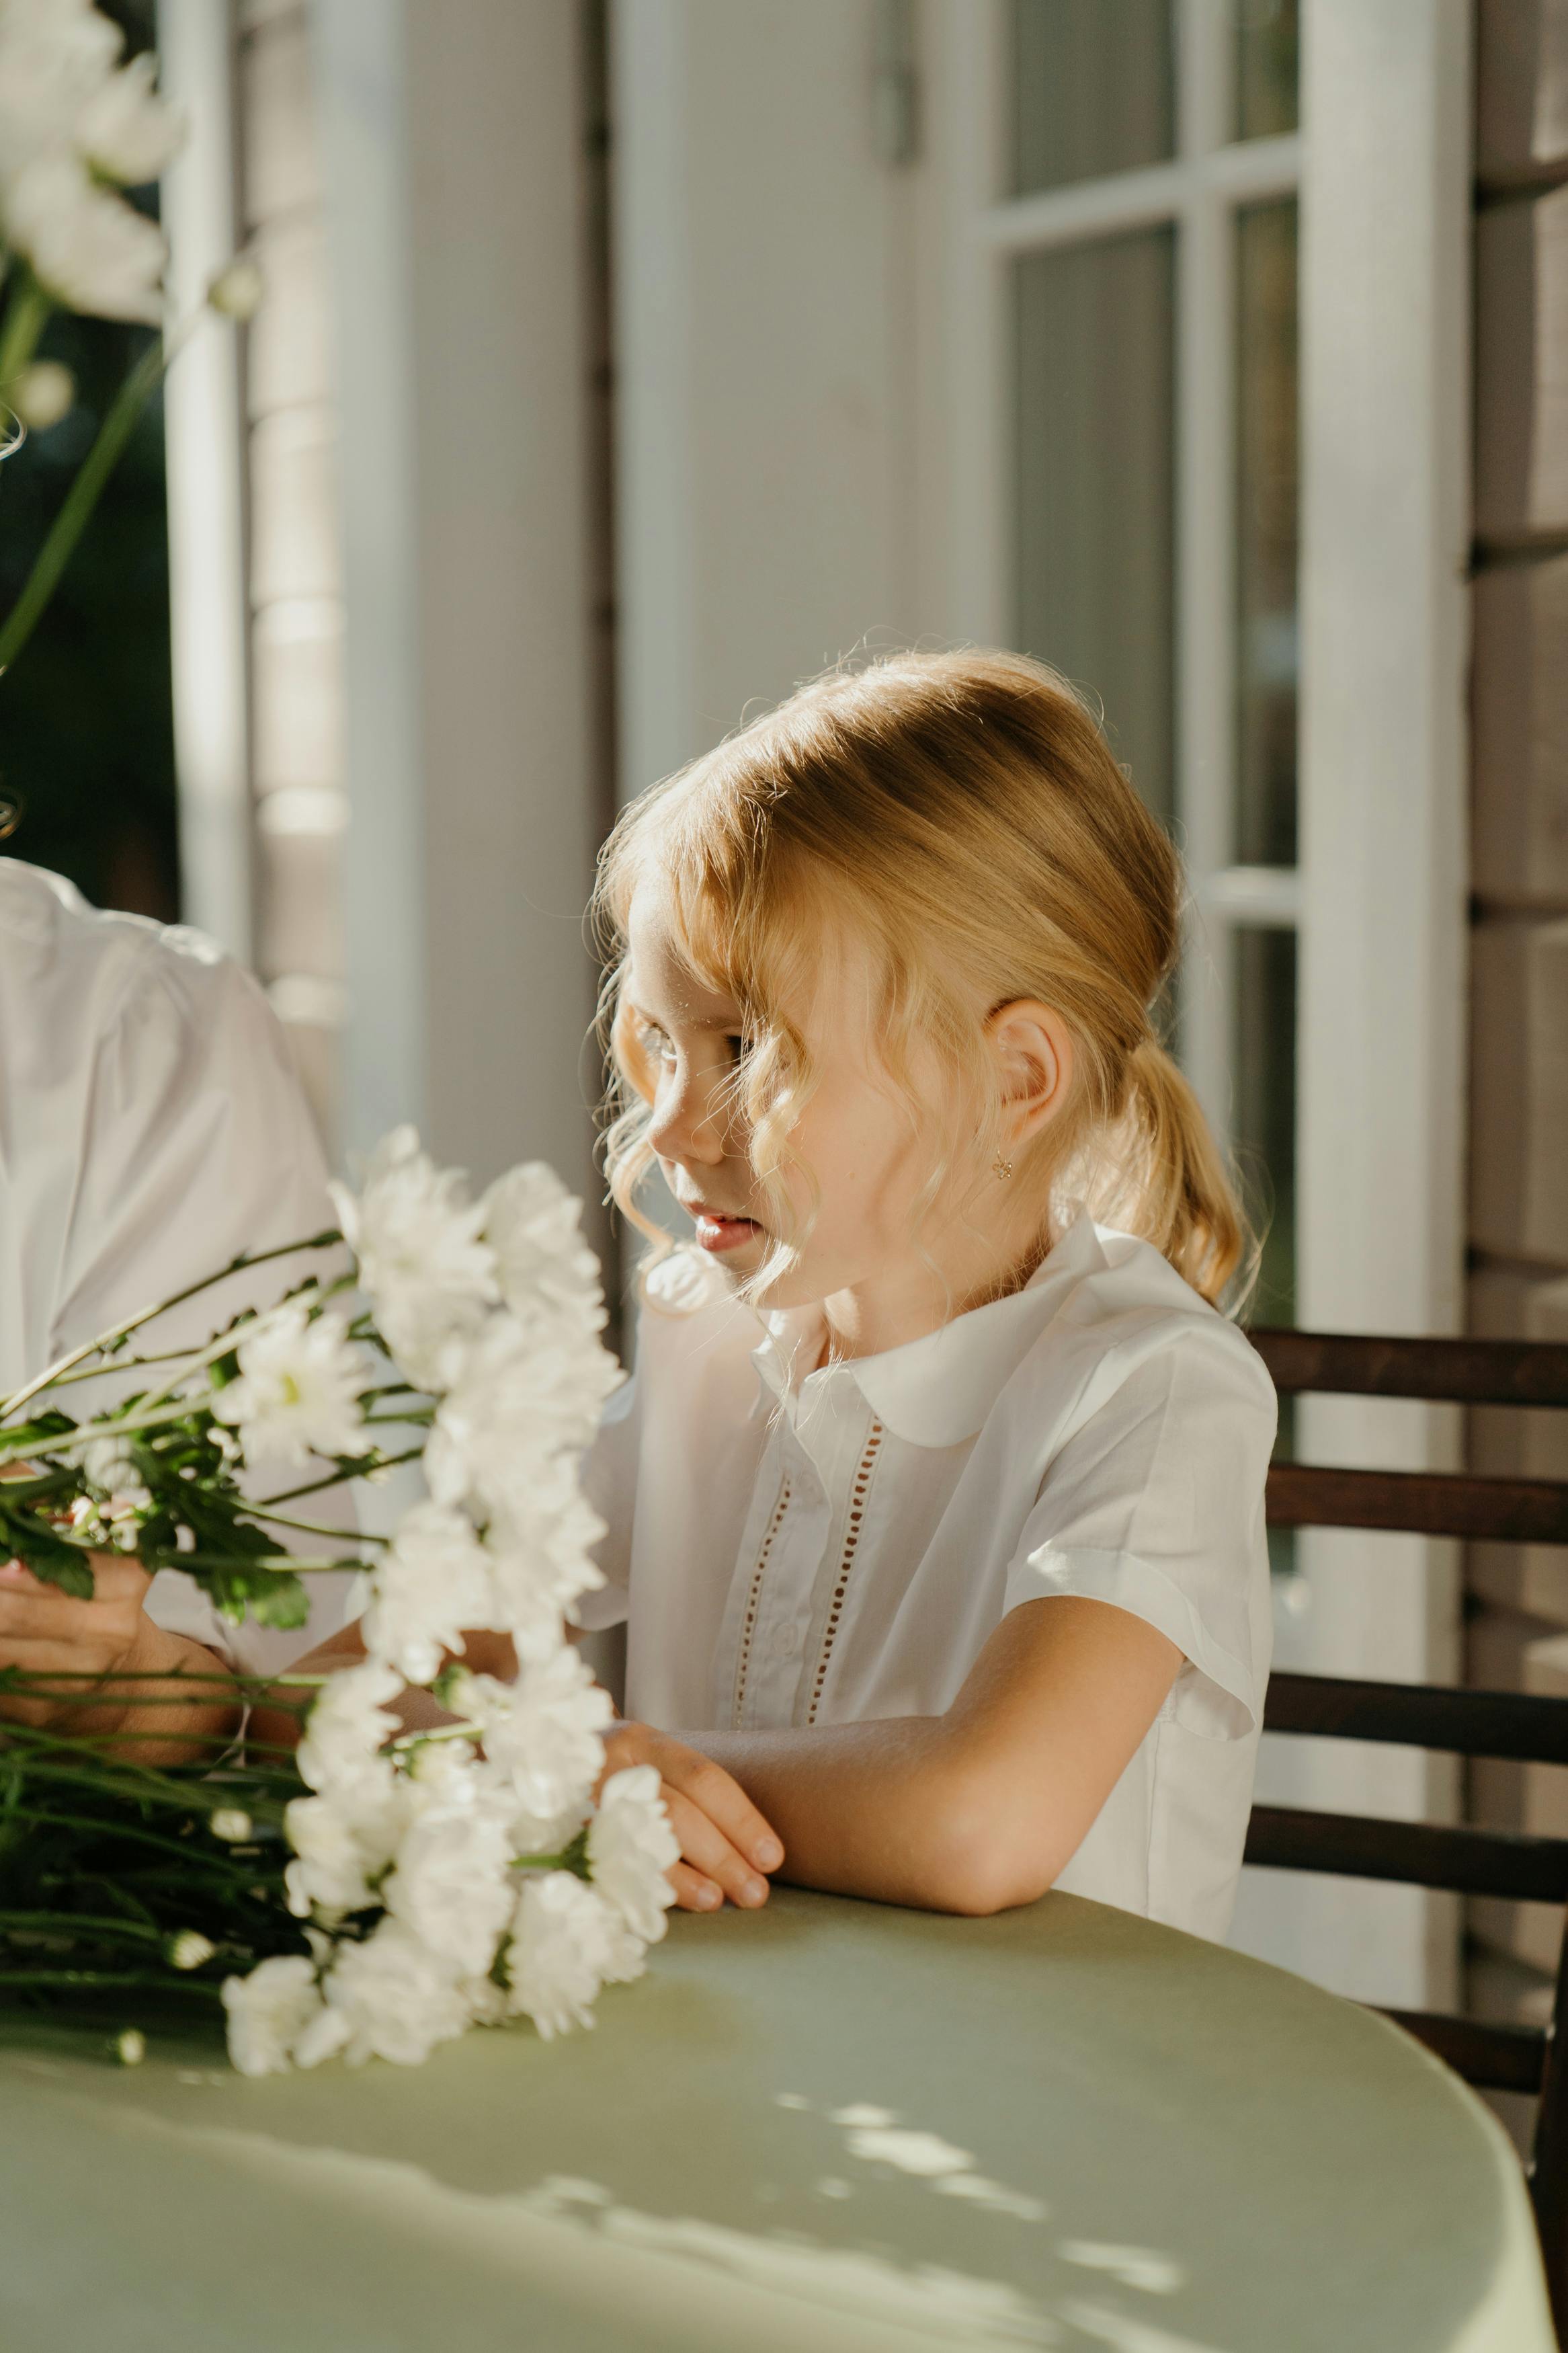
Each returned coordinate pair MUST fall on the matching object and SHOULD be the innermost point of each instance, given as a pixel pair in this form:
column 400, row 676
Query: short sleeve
column 196, row 1146
column 1156, row 1505
column 609, row 1482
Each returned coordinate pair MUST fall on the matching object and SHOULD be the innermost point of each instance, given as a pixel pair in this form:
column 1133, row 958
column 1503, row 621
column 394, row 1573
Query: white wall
column 772, row 493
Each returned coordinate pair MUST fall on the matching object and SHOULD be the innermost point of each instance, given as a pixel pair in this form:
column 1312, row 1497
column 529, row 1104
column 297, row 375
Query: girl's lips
column 719, row 1233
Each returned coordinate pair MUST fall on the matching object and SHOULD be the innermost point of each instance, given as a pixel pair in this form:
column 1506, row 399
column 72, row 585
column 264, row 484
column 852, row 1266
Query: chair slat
column 1419, row 1854
column 1459, row 1372
column 1421, row 1715
column 1421, row 1502
column 1497, row 2058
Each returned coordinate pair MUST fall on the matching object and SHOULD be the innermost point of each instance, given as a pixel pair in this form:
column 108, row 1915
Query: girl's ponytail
column 1175, row 1189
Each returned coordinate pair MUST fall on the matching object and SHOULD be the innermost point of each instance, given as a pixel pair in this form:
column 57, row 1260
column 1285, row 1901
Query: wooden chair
column 1469, row 1861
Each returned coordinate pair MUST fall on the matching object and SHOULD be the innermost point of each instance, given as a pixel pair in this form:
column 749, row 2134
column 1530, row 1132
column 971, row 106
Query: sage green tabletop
column 827, row 2124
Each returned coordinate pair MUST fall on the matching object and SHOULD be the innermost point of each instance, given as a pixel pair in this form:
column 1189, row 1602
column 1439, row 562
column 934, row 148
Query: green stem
column 309, row 1527
column 117, row 1334
column 27, row 314
column 211, row 1860
column 340, row 1478
column 175, row 1982
column 81, row 1922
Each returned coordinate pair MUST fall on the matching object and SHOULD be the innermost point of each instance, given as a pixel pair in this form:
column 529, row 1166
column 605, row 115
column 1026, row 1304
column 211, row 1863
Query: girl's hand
column 726, row 1846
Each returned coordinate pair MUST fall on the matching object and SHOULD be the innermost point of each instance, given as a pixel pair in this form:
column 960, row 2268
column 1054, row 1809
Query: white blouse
column 839, row 1548
column 151, row 1129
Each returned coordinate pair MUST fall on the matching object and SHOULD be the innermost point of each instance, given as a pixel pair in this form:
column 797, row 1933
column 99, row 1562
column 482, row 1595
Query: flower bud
column 130, row 2048
column 42, row 393
column 230, row 1824
column 189, row 1949
column 237, row 292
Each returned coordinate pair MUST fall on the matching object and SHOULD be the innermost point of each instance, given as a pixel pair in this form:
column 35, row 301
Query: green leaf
column 34, row 1542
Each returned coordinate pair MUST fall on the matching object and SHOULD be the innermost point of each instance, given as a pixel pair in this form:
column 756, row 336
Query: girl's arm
column 972, row 1811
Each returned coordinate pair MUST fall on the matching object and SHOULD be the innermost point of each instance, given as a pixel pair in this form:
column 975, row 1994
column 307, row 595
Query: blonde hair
column 964, row 813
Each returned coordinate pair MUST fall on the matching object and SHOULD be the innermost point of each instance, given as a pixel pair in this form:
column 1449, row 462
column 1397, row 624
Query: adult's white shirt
column 152, row 1129
column 839, row 1547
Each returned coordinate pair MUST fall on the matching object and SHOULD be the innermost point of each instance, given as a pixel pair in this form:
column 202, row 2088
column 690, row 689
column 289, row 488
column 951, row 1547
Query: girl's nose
column 683, row 1126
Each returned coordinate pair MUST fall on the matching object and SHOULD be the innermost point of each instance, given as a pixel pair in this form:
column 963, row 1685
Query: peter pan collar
column 939, row 1390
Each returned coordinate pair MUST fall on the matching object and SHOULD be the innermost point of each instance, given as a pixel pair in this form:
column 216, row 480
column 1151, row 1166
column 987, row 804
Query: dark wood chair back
column 1473, row 1861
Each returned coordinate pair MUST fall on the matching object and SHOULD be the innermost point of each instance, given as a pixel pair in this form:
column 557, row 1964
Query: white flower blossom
column 539, row 1572
column 631, row 1847
column 546, row 1271
column 432, row 1581
column 237, row 291
column 42, row 393
column 189, row 1949
column 397, row 1997
column 452, row 1887
column 520, row 1409
column 269, row 2010
column 337, row 1852
column 542, row 1735
column 231, row 1824
column 299, row 1387
column 108, row 1465
column 347, row 1725
column 417, row 1238
column 126, row 132
column 71, row 121
column 86, row 246
column 563, row 1937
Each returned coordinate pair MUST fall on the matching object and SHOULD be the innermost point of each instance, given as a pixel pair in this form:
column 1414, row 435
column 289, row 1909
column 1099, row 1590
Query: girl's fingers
column 721, row 1798
column 705, row 1846
column 692, row 1892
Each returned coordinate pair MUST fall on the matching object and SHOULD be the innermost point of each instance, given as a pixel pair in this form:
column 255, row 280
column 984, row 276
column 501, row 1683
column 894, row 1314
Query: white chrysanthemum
column 338, row 1848
column 542, row 1735
column 417, row 1238
column 88, row 248
column 563, row 1937
column 395, row 1999
column 521, row 1406
column 453, row 1886
column 546, row 1271
column 631, row 1847
column 347, row 1727
column 269, row 2010
column 299, row 1388
column 126, row 132
column 432, row 1581
column 539, row 1573
column 108, row 1465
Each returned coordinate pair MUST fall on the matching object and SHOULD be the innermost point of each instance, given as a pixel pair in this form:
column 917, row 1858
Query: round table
column 827, row 2123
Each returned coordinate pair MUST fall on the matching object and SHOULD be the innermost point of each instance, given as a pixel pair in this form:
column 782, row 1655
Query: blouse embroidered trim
column 753, row 1601
column 857, row 1494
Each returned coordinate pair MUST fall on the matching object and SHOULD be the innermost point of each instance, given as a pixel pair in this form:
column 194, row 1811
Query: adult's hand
column 726, row 1846
column 108, row 1670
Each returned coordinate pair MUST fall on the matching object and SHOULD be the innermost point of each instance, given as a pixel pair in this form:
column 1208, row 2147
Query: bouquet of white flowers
column 378, row 1891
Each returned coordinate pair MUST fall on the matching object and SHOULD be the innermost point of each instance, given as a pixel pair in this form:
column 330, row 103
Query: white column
column 204, row 423
column 1385, row 525
column 454, row 151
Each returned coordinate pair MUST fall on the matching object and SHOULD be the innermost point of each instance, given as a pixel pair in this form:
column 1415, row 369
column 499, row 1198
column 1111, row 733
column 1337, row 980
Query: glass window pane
column 1094, row 328
column 1265, row 1119
column 1267, row 85
column 1093, row 89
column 1268, row 531
column 1264, row 1138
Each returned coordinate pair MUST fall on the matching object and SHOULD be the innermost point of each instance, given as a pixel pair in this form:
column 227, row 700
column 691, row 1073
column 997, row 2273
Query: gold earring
column 1002, row 1167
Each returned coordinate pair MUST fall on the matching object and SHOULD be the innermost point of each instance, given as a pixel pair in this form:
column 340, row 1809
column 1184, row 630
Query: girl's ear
column 1034, row 1049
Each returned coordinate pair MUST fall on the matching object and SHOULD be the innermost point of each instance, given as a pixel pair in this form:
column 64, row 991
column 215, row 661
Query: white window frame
column 1382, row 169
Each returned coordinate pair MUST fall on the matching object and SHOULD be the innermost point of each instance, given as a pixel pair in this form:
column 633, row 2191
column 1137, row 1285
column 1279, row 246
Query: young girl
column 936, row 1503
